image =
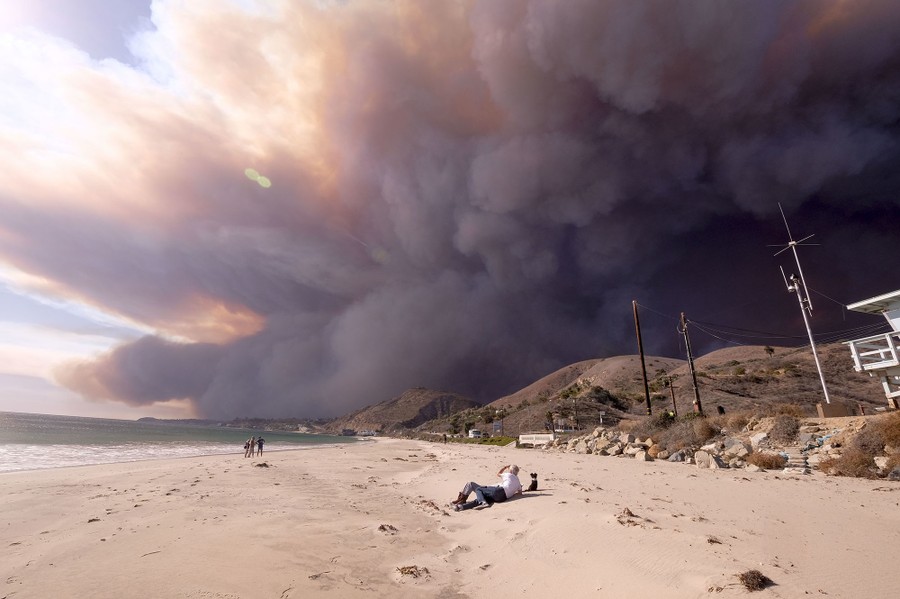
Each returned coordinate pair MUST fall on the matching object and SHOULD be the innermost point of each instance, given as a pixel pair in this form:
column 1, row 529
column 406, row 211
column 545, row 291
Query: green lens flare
column 264, row 182
column 252, row 174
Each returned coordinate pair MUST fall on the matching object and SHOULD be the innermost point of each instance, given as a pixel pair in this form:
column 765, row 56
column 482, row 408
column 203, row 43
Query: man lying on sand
column 487, row 496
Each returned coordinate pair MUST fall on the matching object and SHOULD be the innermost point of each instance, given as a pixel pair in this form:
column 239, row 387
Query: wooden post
column 637, row 326
column 698, row 407
column 672, row 389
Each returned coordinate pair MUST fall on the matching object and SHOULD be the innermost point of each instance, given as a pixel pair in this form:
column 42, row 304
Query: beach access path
column 371, row 520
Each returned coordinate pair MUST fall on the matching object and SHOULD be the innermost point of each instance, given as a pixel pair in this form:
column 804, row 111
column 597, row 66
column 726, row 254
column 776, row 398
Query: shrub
column 790, row 409
column 785, row 429
column 869, row 440
column 678, row 436
column 628, row 426
column 766, row 460
column 890, row 429
column 893, row 462
column 704, row 429
column 853, row 462
column 687, row 431
column 737, row 421
column 754, row 580
column 662, row 420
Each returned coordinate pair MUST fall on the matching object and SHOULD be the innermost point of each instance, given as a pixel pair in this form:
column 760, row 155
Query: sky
column 285, row 208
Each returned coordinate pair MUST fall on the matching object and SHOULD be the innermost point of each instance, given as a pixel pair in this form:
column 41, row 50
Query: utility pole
column 637, row 326
column 698, row 407
column 672, row 390
column 797, row 285
column 793, row 286
column 575, row 411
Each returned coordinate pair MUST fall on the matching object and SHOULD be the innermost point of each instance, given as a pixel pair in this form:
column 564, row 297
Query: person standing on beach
column 246, row 448
column 252, row 446
column 487, row 496
column 259, row 444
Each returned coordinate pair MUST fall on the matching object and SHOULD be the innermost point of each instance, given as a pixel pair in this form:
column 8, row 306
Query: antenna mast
column 797, row 285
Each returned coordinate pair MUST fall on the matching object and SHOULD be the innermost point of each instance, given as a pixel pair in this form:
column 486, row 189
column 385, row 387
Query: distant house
column 474, row 433
column 879, row 355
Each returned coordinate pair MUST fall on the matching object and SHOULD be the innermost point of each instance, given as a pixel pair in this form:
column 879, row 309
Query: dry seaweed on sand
column 754, row 580
column 414, row 571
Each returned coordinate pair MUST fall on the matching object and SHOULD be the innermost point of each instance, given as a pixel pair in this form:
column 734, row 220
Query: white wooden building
column 879, row 355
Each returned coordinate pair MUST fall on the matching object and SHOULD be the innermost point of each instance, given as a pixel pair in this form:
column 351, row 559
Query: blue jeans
column 484, row 495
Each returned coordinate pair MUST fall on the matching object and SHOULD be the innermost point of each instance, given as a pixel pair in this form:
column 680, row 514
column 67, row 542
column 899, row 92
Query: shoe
column 459, row 499
column 457, row 507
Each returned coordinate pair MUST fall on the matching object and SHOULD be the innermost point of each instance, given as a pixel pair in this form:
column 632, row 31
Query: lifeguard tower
column 879, row 355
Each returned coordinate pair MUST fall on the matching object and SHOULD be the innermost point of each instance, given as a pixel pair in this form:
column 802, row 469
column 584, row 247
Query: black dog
column 533, row 485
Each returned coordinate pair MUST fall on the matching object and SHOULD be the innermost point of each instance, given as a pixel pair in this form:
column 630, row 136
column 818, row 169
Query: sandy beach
column 343, row 521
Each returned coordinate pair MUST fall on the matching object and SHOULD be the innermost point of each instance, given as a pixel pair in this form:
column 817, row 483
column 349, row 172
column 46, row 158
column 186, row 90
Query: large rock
column 602, row 447
column 654, row 450
column 678, row 456
column 615, row 449
column 735, row 448
column 704, row 459
column 633, row 448
column 626, row 438
column 881, row 462
column 758, row 438
column 662, row 455
column 814, row 459
column 643, row 456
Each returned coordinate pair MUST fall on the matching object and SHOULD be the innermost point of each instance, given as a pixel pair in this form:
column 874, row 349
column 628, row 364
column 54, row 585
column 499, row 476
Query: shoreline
column 344, row 523
column 298, row 447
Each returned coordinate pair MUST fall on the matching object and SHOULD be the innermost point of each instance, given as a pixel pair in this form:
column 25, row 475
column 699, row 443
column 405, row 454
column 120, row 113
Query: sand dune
column 371, row 519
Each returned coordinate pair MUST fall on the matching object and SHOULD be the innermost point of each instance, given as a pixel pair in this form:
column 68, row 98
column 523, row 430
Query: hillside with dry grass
column 746, row 378
column 407, row 411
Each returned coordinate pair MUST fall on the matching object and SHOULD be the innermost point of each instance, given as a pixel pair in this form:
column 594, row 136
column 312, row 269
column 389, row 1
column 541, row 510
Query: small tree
column 770, row 351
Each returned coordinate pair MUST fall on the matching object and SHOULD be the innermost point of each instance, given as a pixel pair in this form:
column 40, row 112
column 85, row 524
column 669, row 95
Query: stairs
column 796, row 463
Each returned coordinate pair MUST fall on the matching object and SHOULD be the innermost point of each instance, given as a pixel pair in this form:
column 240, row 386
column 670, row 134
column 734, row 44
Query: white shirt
column 510, row 483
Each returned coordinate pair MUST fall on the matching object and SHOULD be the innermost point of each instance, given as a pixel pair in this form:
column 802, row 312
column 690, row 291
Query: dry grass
column 892, row 429
column 785, row 428
column 688, row 431
column 766, row 460
column 858, row 458
column 853, row 462
column 737, row 421
column 754, row 580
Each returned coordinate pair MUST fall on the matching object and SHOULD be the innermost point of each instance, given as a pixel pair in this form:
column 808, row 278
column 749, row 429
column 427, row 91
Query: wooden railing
column 877, row 352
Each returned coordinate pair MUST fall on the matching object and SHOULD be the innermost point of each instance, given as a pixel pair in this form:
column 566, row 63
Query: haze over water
column 38, row 441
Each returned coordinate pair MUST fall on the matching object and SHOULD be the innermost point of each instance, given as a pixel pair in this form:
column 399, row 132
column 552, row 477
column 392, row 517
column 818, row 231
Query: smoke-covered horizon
column 318, row 205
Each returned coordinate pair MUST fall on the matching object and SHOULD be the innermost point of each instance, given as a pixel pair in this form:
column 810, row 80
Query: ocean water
column 37, row 441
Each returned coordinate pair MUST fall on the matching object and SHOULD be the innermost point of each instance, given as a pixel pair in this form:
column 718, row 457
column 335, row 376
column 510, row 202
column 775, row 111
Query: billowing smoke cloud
column 463, row 195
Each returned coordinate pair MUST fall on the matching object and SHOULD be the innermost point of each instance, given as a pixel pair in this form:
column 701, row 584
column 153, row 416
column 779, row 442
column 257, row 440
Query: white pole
column 795, row 287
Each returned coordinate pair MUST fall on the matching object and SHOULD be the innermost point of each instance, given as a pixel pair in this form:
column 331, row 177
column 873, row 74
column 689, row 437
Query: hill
column 580, row 395
column 410, row 410
column 755, row 378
